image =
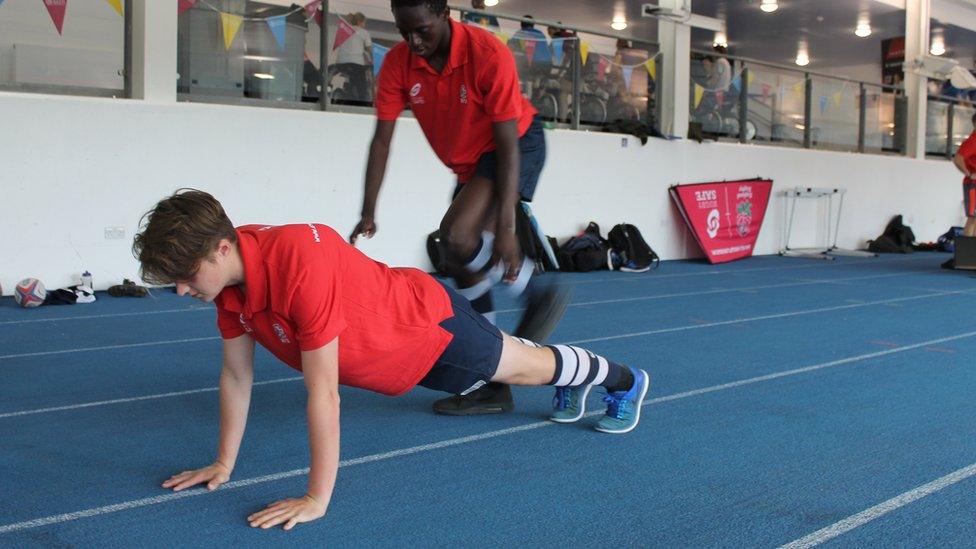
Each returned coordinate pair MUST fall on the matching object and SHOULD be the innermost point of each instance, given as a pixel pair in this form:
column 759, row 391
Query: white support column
column 916, row 44
column 154, row 50
column 674, row 71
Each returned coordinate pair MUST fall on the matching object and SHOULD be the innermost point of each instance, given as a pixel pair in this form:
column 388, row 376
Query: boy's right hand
column 214, row 475
column 366, row 227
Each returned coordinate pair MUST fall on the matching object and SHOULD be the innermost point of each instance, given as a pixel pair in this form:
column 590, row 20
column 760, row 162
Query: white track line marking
column 106, row 315
column 109, row 347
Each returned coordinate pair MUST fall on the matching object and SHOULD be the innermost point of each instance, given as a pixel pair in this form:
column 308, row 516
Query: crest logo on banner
column 724, row 217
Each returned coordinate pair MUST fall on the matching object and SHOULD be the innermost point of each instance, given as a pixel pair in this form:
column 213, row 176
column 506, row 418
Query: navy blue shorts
column 473, row 355
column 532, row 157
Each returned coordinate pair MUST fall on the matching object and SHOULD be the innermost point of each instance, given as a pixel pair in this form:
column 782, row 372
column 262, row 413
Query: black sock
column 623, row 382
column 483, row 304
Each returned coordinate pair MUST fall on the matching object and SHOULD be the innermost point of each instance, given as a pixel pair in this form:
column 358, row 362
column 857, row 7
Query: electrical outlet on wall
column 114, row 233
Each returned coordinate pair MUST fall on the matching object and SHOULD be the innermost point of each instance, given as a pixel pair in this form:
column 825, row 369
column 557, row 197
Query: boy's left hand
column 506, row 249
column 290, row 511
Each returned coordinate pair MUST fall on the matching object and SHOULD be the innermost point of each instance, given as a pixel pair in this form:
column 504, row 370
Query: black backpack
column 584, row 252
column 897, row 238
column 632, row 254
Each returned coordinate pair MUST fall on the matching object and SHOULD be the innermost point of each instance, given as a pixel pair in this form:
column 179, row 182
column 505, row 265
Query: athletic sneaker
column 128, row 288
column 545, row 305
column 492, row 398
column 624, row 407
column 615, row 262
column 569, row 404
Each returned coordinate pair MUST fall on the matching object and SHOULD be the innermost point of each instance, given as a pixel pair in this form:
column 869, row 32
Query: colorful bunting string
column 379, row 53
column 277, row 26
column 344, row 31
column 231, row 24
column 56, row 9
column 116, row 5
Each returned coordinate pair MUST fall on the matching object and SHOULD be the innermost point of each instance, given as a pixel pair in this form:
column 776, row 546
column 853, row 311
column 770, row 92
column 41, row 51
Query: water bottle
column 86, row 279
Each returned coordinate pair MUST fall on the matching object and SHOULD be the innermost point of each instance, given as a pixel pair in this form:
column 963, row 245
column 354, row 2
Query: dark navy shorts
column 532, row 157
column 473, row 355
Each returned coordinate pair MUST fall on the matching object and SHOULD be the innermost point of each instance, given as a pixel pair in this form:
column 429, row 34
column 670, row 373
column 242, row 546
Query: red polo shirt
column 968, row 152
column 306, row 286
column 456, row 107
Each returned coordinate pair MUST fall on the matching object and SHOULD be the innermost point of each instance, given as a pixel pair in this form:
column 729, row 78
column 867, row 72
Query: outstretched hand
column 214, row 475
column 290, row 511
column 366, row 227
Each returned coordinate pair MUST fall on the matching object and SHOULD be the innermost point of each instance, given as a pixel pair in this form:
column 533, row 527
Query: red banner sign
column 725, row 217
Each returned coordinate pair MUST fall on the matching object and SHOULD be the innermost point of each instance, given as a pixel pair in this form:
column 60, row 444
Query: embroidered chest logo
column 244, row 324
column 464, row 94
column 415, row 97
column 280, row 332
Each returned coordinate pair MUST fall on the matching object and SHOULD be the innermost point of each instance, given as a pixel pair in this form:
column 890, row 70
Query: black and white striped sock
column 576, row 367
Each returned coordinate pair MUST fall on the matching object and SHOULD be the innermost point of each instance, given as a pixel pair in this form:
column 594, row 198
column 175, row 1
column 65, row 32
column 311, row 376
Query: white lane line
column 764, row 317
column 109, row 347
column 137, row 399
column 866, row 516
column 106, row 315
column 56, row 519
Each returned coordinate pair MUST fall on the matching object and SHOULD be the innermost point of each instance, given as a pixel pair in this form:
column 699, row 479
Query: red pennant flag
column 720, row 98
column 601, row 68
column 312, row 10
column 56, row 8
column 185, row 5
column 343, row 33
column 529, row 46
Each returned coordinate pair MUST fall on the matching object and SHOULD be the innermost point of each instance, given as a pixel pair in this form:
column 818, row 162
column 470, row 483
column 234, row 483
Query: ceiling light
column 491, row 3
column 769, row 6
column 263, row 76
column 619, row 23
column 863, row 30
column 720, row 40
column 802, row 58
column 938, row 42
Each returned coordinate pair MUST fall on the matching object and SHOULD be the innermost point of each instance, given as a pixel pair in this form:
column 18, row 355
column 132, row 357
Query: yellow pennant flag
column 699, row 92
column 231, row 24
column 651, row 68
column 117, row 4
column 837, row 98
column 584, row 51
column 798, row 87
column 749, row 78
column 501, row 37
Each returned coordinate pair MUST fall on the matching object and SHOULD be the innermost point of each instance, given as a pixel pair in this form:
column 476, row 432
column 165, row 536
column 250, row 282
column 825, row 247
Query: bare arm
column 236, row 378
column 321, row 370
column 379, row 153
column 506, row 190
column 960, row 164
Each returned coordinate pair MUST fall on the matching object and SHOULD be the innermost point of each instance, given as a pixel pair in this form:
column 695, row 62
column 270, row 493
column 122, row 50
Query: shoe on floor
column 624, row 407
column 493, row 398
column 128, row 288
column 949, row 263
column 569, row 404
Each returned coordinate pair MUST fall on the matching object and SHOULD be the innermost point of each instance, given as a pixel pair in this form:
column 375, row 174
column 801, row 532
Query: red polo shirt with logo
column 305, row 286
column 456, row 108
column 967, row 150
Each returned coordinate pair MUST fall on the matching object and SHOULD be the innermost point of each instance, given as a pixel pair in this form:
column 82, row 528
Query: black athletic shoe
column 546, row 304
column 949, row 264
column 493, row 398
column 128, row 288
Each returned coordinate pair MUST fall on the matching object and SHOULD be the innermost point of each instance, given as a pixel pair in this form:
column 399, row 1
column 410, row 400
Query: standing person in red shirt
column 965, row 162
column 461, row 83
column 328, row 311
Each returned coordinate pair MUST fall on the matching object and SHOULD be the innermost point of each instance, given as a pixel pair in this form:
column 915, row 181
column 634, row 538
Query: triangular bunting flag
column 116, row 4
column 343, row 32
column 823, row 103
column 231, row 24
column 312, row 11
column 1, row 2
column 529, row 46
column 837, row 98
column 699, row 92
column 557, row 50
column 584, row 51
column 737, row 82
column 720, row 98
column 277, row 26
column 56, row 9
column 502, row 37
column 185, row 5
column 651, row 68
column 601, row 68
column 628, row 74
column 379, row 53
column 749, row 78
column 798, row 87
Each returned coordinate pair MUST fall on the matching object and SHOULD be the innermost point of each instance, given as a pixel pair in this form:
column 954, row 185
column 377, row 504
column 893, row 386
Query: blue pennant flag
column 628, row 73
column 737, row 82
column 379, row 52
column 277, row 26
column 557, row 50
column 823, row 103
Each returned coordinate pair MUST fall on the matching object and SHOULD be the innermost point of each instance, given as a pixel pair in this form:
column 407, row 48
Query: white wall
column 70, row 167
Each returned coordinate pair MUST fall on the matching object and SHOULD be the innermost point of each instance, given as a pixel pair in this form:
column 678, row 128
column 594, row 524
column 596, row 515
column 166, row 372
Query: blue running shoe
column 624, row 407
column 569, row 404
